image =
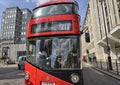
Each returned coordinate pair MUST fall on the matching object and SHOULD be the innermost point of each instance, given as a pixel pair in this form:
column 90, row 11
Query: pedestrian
column 94, row 58
column 7, row 60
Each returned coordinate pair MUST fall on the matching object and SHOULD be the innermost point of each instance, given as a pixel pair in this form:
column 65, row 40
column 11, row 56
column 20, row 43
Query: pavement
column 105, row 72
column 9, row 65
column 108, row 73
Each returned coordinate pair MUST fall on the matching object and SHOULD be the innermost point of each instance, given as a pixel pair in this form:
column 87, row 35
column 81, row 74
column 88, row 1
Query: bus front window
column 57, row 52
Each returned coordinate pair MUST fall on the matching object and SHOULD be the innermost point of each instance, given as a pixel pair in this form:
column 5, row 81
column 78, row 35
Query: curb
column 108, row 73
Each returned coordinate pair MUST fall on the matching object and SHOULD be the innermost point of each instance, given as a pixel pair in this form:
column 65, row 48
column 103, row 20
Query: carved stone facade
column 102, row 21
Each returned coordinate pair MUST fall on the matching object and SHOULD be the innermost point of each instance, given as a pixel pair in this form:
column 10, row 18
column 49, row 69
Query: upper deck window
column 55, row 9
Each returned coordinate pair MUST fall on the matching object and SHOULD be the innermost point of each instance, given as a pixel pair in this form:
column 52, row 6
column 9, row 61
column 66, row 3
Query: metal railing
column 103, row 64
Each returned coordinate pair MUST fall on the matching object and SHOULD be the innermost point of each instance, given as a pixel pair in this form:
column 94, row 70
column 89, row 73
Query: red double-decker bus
column 53, row 47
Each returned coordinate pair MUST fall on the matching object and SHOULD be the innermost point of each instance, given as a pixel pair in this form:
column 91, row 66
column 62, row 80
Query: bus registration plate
column 48, row 83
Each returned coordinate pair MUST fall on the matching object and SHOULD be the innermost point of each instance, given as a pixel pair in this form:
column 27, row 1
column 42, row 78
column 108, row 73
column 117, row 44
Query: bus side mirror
column 87, row 37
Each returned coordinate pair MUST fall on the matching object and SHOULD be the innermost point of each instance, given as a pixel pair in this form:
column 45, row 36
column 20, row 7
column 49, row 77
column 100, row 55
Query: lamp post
column 108, row 48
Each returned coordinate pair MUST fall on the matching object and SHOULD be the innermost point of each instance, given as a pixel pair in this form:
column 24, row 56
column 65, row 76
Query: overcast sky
column 33, row 3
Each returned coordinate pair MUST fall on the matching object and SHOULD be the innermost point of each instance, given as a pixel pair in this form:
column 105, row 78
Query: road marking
column 21, row 74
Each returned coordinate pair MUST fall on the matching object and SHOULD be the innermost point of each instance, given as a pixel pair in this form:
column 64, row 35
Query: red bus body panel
column 32, row 71
column 38, row 76
column 45, row 77
column 73, row 18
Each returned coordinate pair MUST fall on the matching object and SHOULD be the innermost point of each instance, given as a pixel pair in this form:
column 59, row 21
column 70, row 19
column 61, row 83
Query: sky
column 33, row 3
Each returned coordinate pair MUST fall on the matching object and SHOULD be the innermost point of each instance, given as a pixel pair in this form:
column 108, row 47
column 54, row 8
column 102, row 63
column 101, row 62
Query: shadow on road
column 95, row 77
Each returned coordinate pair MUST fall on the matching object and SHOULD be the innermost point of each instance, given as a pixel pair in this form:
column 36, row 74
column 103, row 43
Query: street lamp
column 108, row 48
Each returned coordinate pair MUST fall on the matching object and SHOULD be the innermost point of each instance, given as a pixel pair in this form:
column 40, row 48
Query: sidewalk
column 108, row 73
column 9, row 65
column 105, row 72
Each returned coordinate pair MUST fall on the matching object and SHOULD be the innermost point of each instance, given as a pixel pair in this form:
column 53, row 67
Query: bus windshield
column 54, row 10
column 54, row 52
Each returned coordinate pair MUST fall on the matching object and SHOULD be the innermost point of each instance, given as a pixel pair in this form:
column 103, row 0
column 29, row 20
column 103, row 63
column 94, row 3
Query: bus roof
column 57, row 2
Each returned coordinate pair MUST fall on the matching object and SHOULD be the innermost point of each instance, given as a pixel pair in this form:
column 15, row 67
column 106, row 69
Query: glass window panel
column 51, row 26
column 55, row 52
column 53, row 10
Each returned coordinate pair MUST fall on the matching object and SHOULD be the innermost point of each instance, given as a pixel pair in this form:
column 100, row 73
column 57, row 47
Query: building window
column 106, row 11
column 114, row 11
column 118, row 5
column 23, row 33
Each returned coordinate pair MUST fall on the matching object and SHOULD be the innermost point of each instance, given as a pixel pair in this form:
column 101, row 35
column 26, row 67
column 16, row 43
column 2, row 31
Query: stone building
column 102, row 21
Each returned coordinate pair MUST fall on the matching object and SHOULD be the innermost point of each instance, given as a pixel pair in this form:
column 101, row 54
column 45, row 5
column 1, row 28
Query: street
column 94, row 77
column 10, row 75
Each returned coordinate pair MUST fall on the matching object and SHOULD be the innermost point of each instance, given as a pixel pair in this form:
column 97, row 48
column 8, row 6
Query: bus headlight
column 47, row 63
column 27, row 76
column 75, row 78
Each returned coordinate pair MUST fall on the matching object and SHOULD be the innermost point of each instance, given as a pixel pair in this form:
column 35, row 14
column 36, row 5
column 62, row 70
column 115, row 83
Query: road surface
column 94, row 77
column 10, row 75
